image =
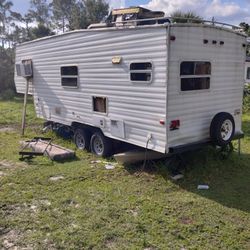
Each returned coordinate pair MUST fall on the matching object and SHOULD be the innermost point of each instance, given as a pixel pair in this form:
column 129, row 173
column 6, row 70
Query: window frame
column 70, row 76
column 106, row 108
column 195, row 76
column 141, row 71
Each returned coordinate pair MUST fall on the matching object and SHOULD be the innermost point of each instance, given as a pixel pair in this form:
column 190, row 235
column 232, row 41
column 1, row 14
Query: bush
column 246, row 98
column 8, row 94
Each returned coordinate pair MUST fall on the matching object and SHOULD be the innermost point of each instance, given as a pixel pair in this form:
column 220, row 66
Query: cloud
column 225, row 11
column 116, row 3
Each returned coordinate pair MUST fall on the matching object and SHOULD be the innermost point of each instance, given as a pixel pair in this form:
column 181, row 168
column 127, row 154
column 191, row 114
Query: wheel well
column 91, row 129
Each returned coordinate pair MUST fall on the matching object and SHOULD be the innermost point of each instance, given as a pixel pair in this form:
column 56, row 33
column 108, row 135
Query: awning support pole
column 25, row 106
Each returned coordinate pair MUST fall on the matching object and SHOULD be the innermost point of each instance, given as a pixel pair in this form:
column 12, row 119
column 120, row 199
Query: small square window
column 69, row 76
column 141, row 72
column 100, row 104
column 195, row 75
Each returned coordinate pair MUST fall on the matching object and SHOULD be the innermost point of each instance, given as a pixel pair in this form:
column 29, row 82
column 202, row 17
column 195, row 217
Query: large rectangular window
column 69, row 76
column 195, row 75
column 248, row 73
column 141, row 72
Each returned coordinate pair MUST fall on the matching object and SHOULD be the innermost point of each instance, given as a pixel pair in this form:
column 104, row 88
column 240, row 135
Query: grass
column 124, row 208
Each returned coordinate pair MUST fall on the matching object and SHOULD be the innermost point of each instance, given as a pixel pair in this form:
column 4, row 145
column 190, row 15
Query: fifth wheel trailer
column 161, row 86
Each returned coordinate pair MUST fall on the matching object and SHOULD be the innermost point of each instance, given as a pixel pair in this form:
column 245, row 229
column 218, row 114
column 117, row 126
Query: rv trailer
column 140, row 79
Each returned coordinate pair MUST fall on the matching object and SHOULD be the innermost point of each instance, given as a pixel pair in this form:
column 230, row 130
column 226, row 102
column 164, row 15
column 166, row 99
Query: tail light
column 175, row 124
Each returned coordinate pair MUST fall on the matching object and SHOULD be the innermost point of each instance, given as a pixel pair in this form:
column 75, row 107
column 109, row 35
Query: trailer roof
column 233, row 29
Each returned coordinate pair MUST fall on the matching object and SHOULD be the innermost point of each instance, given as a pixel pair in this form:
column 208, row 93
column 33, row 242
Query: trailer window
column 195, row 75
column 100, row 104
column 69, row 76
column 248, row 73
column 141, row 72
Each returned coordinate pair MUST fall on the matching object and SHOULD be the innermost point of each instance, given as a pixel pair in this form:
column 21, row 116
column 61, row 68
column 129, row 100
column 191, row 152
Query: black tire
column 222, row 129
column 101, row 145
column 82, row 139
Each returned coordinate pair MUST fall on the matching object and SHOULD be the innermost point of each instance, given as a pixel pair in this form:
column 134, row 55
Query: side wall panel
column 140, row 106
column 195, row 109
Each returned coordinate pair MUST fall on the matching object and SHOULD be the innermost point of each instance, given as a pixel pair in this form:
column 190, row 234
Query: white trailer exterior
column 140, row 112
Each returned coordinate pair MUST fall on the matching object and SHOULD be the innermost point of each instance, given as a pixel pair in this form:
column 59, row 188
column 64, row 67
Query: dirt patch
column 7, row 129
column 4, row 164
column 2, row 174
column 10, row 239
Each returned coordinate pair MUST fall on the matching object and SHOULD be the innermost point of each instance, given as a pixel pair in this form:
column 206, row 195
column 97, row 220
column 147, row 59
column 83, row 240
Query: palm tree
column 186, row 17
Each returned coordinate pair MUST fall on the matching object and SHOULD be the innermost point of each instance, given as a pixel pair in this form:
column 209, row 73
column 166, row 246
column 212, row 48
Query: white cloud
column 116, row 3
column 169, row 6
column 225, row 11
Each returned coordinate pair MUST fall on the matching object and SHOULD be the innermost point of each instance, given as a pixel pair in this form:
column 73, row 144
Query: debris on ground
column 203, row 187
column 177, row 177
column 110, row 166
column 56, row 178
column 44, row 146
column 97, row 161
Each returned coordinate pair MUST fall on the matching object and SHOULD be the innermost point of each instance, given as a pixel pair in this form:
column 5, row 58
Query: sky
column 234, row 11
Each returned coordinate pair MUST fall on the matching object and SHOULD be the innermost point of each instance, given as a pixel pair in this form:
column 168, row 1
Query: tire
column 101, row 145
column 82, row 139
column 222, row 129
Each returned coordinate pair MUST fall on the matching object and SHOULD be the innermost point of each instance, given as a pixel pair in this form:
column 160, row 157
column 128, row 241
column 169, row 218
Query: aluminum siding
column 140, row 106
column 195, row 109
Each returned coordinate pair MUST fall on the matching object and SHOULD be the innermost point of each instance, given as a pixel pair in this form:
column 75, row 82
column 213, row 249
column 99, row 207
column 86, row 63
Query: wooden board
column 53, row 151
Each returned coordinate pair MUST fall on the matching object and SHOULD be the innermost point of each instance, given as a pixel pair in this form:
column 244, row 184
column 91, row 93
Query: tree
column 40, row 12
column 94, row 11
column 246, row 28
column 186, row 17
column 40, row 31
column 62, row 12
column 5, row 16
column 78, row 14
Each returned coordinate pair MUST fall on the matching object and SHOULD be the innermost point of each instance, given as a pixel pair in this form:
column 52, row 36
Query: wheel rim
column 80, row 141
column 226, row 130
column 98, row 145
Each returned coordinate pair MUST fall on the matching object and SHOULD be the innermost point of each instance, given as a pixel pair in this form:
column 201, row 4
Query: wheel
column 82, row 139
column 222, row 129
column 101, row 145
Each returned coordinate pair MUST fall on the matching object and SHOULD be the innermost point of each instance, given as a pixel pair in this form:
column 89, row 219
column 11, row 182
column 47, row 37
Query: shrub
column 246, row 99
column 8, row 94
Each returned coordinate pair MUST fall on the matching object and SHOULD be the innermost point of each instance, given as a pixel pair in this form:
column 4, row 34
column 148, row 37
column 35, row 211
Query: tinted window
column 195, row 83
column 145, row 77
column 195, row 68
column 70, row 82
column 141, row 72
column 69, row 71
column 141, row 66
column 195, row 75
column 69, row 76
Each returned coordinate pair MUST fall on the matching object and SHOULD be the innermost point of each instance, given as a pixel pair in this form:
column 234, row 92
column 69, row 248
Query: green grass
column 124, row 208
